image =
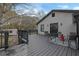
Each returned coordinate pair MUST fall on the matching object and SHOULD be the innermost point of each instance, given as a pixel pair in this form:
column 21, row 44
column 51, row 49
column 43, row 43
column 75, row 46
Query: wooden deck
column 18, row 50
column 39, row 46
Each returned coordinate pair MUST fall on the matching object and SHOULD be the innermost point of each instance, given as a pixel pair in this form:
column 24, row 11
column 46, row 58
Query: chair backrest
column 72, row 36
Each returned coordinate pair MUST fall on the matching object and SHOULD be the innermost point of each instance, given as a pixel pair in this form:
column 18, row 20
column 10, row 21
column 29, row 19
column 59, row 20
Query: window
column 42, row 28
column 75, row 18
column 10, row 31
column 53, row 14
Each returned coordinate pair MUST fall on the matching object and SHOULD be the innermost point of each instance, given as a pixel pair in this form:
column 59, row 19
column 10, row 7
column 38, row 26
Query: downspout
column 77, row 24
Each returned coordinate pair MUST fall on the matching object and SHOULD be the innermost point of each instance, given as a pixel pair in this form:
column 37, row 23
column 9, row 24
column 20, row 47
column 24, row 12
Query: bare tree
column 5, row 8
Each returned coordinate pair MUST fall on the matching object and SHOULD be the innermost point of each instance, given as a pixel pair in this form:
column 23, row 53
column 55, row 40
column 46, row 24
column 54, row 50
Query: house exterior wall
column 12, row 31
column 60, row 17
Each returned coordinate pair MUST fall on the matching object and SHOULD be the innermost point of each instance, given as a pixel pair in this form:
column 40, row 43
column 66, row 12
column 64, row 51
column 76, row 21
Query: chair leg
column 76, row 44
column 69, row 42
column 63, row 42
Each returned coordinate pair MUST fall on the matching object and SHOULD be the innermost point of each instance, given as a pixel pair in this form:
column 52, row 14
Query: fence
column 4, row 35
column 7, row 40
column 23, row 36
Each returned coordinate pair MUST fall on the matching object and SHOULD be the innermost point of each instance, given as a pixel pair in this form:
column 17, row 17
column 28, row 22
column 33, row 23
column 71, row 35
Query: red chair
column 61, row 37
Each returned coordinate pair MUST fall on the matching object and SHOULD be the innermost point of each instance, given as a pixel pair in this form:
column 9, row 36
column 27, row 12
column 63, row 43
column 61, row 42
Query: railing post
column 6, row 36
column 1, row 39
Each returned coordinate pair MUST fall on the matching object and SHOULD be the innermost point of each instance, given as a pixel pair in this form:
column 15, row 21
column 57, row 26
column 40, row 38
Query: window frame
column 53, row 14
column 42, row 27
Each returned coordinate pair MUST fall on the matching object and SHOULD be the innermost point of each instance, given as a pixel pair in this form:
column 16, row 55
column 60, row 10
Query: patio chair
column 54, row 36
column 72, row 37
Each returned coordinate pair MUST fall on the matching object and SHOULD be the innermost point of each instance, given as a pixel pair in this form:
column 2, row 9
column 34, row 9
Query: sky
column 45, row 7
column 50, row 6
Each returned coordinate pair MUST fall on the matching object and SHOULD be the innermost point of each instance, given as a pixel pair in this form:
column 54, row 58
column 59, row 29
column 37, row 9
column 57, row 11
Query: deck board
column 41, row 51
column 77, row 52
column 58, row 50
column 69, row 52
column 49, row 51
column 64, row 51
column 33, row 51
column 54, row 49
column 61, row 51
column 73, row 52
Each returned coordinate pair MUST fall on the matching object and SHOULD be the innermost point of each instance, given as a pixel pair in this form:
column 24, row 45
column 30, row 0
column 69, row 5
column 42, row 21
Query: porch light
column 61, row 24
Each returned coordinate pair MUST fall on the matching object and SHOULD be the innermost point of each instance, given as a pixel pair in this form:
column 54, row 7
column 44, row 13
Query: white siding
column 60, row 17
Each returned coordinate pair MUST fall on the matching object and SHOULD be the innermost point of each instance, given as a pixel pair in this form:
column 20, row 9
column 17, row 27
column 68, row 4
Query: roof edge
column 44, row 17
column 58, row 10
